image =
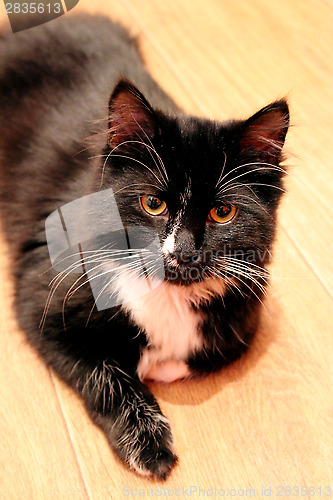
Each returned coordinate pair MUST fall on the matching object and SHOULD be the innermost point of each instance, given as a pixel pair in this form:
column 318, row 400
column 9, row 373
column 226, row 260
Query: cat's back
column 71, row 39
column 55, row 82
column 50, row 60
column 64, row 72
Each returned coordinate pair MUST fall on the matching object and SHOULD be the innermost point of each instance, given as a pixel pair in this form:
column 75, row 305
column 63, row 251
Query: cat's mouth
column 186, row 269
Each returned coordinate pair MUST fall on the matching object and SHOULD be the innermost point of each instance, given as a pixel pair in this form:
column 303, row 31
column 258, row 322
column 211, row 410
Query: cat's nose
column 184, row 243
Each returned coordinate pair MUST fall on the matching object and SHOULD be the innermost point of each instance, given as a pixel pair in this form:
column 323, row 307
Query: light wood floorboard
column 266, row 420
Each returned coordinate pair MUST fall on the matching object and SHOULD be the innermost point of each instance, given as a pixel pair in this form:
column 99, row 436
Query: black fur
column 58, row 125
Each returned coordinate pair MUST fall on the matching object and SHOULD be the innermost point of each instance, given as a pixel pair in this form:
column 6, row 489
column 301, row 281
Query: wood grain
column 266, row 420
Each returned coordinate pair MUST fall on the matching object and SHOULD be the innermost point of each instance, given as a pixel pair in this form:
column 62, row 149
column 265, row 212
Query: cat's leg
column 125, row 410
column 132, row 420
column 99, row 361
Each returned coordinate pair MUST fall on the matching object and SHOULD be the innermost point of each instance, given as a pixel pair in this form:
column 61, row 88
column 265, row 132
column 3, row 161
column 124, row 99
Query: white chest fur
column 169, row 321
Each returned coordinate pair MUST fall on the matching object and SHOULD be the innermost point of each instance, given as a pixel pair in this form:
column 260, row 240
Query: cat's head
column 210, row 190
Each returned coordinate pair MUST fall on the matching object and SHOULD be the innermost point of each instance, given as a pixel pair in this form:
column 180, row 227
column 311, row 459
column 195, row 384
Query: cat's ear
column 265, row 132
column 131, row 118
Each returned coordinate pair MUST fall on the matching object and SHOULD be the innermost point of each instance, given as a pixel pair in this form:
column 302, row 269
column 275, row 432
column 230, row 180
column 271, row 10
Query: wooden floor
column 266, row 421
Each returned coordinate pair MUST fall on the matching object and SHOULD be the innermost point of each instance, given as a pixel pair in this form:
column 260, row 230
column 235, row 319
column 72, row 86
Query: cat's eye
column 223, row 213
column 153, row 205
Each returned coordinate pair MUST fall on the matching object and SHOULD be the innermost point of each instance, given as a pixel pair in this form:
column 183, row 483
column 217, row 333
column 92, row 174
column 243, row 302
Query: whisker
column 246, row 271
column 265, row 164
column 247, row 173
column 103, row 289
column 237, row 270
column 111, row 153
column 74, row 255
column 162, row 183
column 122, row 268
column 56, row 282
column 252, row 264
column 223, row 197
column 137, row 184
column 99, row 275
column 252, row 291
column 152, row 148
column 221, row 174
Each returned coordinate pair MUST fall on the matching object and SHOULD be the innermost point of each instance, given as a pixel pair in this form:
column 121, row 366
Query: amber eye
column 153, row 205
column 223, row 214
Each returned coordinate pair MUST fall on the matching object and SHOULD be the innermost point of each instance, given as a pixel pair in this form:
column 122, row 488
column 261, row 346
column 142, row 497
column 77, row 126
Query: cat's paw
column 155, row 461
column 167, row 371
column 146, row 444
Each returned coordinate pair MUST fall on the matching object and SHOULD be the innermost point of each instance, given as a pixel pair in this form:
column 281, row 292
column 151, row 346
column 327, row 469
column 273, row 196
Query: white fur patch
column 171, row 325
column 139, row 470
column 169, row 243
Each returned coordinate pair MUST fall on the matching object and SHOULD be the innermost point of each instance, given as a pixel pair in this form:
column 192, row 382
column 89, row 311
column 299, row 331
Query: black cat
column 197, row 197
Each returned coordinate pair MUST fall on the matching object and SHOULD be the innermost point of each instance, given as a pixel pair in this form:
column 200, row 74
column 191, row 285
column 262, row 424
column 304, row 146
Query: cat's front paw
column 153, row 460
column 146, row 444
